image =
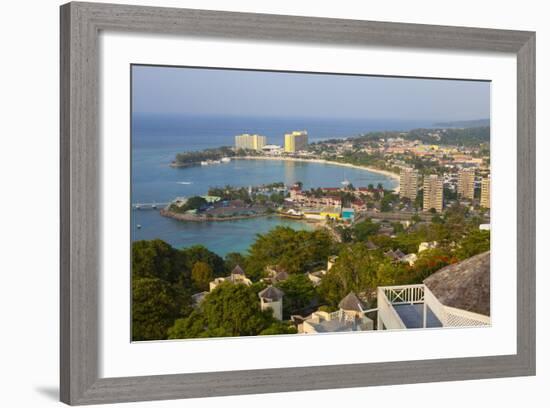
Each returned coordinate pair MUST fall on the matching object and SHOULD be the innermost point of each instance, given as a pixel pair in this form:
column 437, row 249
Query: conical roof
column 237, row 270
column 272, row 293
column 351, row 302
column 464, row 285
column 281, row 276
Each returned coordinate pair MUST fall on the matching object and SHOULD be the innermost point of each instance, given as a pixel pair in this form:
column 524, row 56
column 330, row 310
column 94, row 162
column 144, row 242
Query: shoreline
column 386, row 173
column 193, row 218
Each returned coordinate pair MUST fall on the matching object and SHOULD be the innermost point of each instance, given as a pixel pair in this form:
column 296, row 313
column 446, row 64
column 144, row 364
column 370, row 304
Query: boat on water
column 209, row 162
column 138, row 226
column 226, row 159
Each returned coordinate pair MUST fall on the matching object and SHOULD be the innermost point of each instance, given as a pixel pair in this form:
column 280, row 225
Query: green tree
column 430, row 261
column 229, row 310
column 279, row 328
column 199, row 253
column 192, row 327
column 364, row 230
column 298, row 294
column 291, row 250
column 233, row 259
column 157, row 259
column 192, row 203
column 355, row 270
column 474, row 243
column 201, row 274
column 155, row 306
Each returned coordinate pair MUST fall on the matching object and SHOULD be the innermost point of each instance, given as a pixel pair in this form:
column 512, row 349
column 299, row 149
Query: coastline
column 193, row 218
column 389, row 174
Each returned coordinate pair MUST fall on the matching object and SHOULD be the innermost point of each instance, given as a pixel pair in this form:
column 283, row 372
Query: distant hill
column 465, row 123
column 456, row 136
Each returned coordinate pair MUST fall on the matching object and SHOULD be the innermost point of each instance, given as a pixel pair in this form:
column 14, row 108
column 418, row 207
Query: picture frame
column 81, row 24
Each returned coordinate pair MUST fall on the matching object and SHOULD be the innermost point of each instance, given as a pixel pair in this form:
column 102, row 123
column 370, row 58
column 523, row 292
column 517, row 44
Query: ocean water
column 157, row 139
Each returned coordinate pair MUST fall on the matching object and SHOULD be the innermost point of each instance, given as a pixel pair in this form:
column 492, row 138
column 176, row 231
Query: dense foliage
column 191, row 158
column 294, row 251
column 163, row 278
column 299, row 293
column 229, row 310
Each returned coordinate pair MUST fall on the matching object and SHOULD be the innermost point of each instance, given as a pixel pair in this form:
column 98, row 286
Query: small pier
column 148, row 206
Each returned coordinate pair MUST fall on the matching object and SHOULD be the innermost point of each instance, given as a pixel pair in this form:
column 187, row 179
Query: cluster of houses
column 327, row 203
column 457, row 295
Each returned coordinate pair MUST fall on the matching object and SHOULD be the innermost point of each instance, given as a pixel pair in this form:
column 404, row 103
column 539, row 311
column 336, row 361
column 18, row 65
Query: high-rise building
column 486, row 192
column 433, row 193
column 295, row 141
column 408, row 183
column 251, row 142
column 466, row 183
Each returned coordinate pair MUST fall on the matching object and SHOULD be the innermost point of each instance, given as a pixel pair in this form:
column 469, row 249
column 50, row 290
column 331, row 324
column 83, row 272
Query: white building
column 272, row 298
column 237, row 276
column 349, row 317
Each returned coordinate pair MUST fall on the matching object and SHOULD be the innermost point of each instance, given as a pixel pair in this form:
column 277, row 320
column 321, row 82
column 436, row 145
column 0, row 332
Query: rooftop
column 351, row 302
column 271, row 293
column 464, row 285
column 237, row 270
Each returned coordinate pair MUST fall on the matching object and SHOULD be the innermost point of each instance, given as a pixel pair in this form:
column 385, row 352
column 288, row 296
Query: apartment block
column 433, row 193
column 251, row 142
column 486, row 192
column 296, row 141
column 466, row 183
column 408, row 183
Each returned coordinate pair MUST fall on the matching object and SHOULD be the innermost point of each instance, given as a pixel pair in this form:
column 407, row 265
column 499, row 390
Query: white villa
column 237, row 276
column 350, row 317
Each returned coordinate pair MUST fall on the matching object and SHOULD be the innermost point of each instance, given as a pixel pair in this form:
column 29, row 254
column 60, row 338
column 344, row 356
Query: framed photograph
column 261, row 203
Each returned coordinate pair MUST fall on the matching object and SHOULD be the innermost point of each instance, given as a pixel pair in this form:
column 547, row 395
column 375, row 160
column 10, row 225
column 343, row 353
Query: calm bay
column 157, row 139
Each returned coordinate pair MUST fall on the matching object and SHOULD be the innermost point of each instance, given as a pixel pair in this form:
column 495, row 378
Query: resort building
column 316, row 277
column 455, row 296
column 251, row 142
column 295, row 141
column 348, row 214
column 331, row 261
column 408, row 183
column 433, row 193
column 350, row 317
column 272, row 298
column 466, row 183
column 237, row 276
column 275, row 275
column 424, row 246
column 333, row 213
column 272, row 149
column 486, row 192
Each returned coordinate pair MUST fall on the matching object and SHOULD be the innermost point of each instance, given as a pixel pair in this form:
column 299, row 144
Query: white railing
column 437, row 308
column 388, row 318
column 410, row 294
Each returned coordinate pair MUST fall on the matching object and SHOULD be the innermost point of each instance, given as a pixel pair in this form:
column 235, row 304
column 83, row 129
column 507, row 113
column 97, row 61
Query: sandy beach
column 321, row 161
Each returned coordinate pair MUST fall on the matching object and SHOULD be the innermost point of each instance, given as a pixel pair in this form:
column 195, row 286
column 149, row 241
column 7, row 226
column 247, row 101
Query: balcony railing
column 391, row 296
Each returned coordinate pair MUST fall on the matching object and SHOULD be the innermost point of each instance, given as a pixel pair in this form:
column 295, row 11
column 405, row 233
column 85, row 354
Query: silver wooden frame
column 80, row 26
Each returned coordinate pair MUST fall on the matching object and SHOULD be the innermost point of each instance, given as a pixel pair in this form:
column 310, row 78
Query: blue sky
column 199, row 91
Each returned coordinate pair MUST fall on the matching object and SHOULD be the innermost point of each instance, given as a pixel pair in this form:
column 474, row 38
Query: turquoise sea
column 157, row 139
